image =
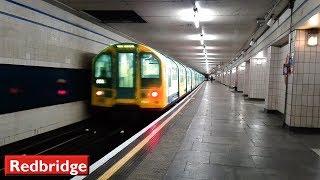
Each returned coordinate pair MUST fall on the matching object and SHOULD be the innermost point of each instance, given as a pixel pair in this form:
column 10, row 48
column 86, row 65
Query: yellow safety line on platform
column 109, row 173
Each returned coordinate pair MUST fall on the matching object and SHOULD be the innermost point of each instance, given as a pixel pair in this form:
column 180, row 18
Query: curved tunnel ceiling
column 169, row 28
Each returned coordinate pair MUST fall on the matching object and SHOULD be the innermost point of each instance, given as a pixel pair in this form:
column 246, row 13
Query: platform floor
column 220, row 135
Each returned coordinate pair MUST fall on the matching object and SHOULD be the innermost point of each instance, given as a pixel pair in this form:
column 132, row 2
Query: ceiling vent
column 122, row 16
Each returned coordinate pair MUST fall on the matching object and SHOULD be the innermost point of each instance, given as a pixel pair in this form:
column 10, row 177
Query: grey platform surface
column 222, row 135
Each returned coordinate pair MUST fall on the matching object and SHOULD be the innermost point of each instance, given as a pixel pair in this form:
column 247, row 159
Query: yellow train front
column 134, row 75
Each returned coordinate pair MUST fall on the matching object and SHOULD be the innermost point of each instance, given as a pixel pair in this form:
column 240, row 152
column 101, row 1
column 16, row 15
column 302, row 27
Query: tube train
column 135, row 75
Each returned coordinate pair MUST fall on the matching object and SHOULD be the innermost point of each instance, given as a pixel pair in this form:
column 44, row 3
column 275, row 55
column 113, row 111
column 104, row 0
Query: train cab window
column 150, row 67
column 103, row 67
column 103, row 71
column 126, row 62
column 150, row 70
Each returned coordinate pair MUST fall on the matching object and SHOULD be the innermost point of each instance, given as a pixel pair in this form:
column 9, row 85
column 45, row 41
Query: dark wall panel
column 28, row 87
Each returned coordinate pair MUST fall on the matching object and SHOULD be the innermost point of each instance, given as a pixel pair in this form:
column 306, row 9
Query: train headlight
column 99, row 93
column 100, row 81
column 154, row 94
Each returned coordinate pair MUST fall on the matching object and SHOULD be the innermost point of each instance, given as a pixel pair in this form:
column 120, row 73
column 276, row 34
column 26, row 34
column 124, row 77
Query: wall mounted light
column 312, row 37
column 259, row 61
column 241, row 68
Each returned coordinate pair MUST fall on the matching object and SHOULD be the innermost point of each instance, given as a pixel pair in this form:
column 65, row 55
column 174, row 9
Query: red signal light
column 13, row 91
column 62, row 92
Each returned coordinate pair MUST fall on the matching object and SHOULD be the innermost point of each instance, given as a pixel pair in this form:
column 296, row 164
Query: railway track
column 95, row 137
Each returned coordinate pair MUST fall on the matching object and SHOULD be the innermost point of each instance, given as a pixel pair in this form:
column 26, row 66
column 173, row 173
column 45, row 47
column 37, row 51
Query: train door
column 126, row 76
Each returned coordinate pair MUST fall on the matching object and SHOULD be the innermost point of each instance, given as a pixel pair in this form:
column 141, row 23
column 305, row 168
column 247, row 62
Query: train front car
column 128, row 75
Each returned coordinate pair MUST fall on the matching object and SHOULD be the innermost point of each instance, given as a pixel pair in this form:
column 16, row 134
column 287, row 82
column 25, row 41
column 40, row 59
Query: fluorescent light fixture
column 211, row 58
column 207, row 47
column 313, row 38
column 202, row 54
column 196, row 19
column 196, row 4
column 205, row 51
column 206, row 37
column 204, row 14
column 207, row 67
column 201, row 39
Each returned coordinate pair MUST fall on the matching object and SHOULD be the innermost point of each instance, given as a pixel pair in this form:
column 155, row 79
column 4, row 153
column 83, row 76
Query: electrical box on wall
column 286, row 69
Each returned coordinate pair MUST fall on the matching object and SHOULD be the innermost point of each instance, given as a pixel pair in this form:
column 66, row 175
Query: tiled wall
column 257, row 78
column 220, row 78
column 246, row 78
column 226, row 80
column 233, row 77
column 28, row 36
column 304, row 84
column 275, row 95
column 240, row 78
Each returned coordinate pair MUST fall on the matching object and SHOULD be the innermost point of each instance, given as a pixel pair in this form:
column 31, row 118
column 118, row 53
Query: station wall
column 275, row 98
column 303, row 103
column 257, row 78
column 36, row 34
column 246, row 78
column 233, row 78
column 240, row 78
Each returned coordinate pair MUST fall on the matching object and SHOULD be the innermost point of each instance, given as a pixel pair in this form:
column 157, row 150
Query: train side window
column 150, row 67
column 169, row 77
column 181, row 75
column 174, row 74
column 103, row 67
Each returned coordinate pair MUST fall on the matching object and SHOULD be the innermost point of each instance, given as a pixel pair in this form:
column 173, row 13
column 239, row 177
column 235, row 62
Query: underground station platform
column 214, row 133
